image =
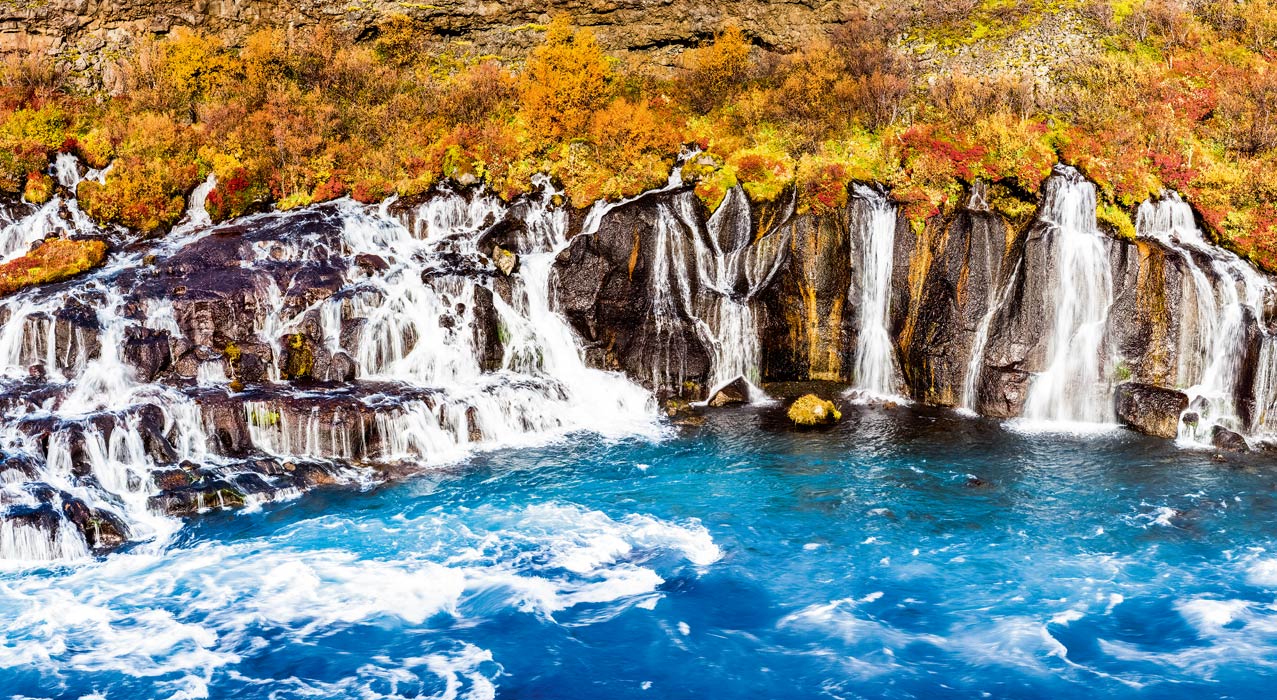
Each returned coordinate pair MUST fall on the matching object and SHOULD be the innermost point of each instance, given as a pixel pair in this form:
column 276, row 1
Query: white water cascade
column 449, row 357
column 712, row 274
column 1072, row 387
column 26, row 224
column 875, row 373
column 738, row 270
column 975, row 365
column 1228, row 293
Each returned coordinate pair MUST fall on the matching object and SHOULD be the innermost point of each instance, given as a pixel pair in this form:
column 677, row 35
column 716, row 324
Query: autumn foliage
column 54, row 260
column 1175, row 95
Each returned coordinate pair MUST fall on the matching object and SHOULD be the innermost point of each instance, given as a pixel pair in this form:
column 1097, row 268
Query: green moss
column 300, row 360
column 292, row 201
column 1010, row 204
column 1122, row 372
column 263, row 418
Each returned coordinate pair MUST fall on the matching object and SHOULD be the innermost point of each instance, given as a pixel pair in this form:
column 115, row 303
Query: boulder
column 1224, row 439
column 812, row 410
column 1149, row 409
column 735, row 392
column 147, row 351
column 506, row 261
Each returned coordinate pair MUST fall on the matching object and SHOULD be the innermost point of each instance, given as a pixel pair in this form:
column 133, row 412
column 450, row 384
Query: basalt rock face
column 960, row 285
column 807, row 325
column 81, row 30
column 1150, row 409
column 617, row 289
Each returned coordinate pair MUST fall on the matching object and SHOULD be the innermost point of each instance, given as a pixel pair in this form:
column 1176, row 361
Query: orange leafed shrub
column 714, row 72
column 55, row 260
column 565, row 81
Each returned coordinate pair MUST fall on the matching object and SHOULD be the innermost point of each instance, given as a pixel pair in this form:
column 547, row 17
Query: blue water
column 899, row 555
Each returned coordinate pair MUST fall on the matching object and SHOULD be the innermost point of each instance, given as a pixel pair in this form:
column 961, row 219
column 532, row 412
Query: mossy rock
column 39, row 188
column 811, row 410
column 299, row 359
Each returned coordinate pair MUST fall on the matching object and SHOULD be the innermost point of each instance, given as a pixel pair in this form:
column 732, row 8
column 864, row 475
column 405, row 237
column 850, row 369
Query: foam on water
column 138, row 616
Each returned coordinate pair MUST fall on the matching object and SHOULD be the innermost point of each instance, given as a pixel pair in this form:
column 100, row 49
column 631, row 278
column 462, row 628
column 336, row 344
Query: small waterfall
column 875, row 372
column 971, row 382
column 710, row 274
column 1228, row 294
column 736, row 272
column 60, row 215
column 1072, row 387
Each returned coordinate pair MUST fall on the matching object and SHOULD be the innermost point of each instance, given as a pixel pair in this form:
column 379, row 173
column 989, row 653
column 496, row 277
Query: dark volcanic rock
column 962, row 283
column 487, row 331
column 147, row 351
column 618, row 294
column 1151, row 410
column 1225, row 439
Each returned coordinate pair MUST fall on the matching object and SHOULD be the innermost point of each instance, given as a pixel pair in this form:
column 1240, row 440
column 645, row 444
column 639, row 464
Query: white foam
column 1263, row 573
column 134, row 613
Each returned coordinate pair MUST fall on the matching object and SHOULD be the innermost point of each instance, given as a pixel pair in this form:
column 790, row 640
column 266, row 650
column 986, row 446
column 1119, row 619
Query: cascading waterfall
column 1072, row 387
column 737, row 269
column 448, row 358
column 711, row 274
column 1228, row 294
column 971, row 382
column 59, row 214
column 875, row 372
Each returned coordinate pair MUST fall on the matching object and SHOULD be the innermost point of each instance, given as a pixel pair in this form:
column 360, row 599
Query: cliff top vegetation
column 1170, row 94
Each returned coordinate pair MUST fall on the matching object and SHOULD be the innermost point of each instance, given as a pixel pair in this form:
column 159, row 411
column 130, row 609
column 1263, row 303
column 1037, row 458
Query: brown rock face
column 1151, row 410
column 960, row 285
column 81, row 30
column 807, row 327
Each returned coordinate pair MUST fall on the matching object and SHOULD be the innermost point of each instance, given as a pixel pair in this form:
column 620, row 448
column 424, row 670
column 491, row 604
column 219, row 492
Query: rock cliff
column 90, row 35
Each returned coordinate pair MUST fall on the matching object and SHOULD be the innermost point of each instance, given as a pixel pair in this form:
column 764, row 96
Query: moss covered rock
column 53, row 261
column 813, row 410
column 39, row 188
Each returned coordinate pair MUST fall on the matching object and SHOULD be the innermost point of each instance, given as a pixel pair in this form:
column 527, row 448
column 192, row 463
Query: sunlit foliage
column 1177, row 95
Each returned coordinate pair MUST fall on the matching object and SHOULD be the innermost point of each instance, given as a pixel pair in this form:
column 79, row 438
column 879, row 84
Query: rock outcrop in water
column 228, row 365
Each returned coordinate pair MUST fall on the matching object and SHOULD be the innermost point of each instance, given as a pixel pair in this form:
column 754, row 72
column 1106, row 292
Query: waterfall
column 1072, row 387
column 736, row 269
column 1228, row 294
column 29, row 223
column 975, row 365
column 708, row 274
column 873, row 228
column 448, row 357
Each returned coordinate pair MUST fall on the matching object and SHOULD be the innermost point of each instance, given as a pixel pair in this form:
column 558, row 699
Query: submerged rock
column 812, row 410
column 1151, row 410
